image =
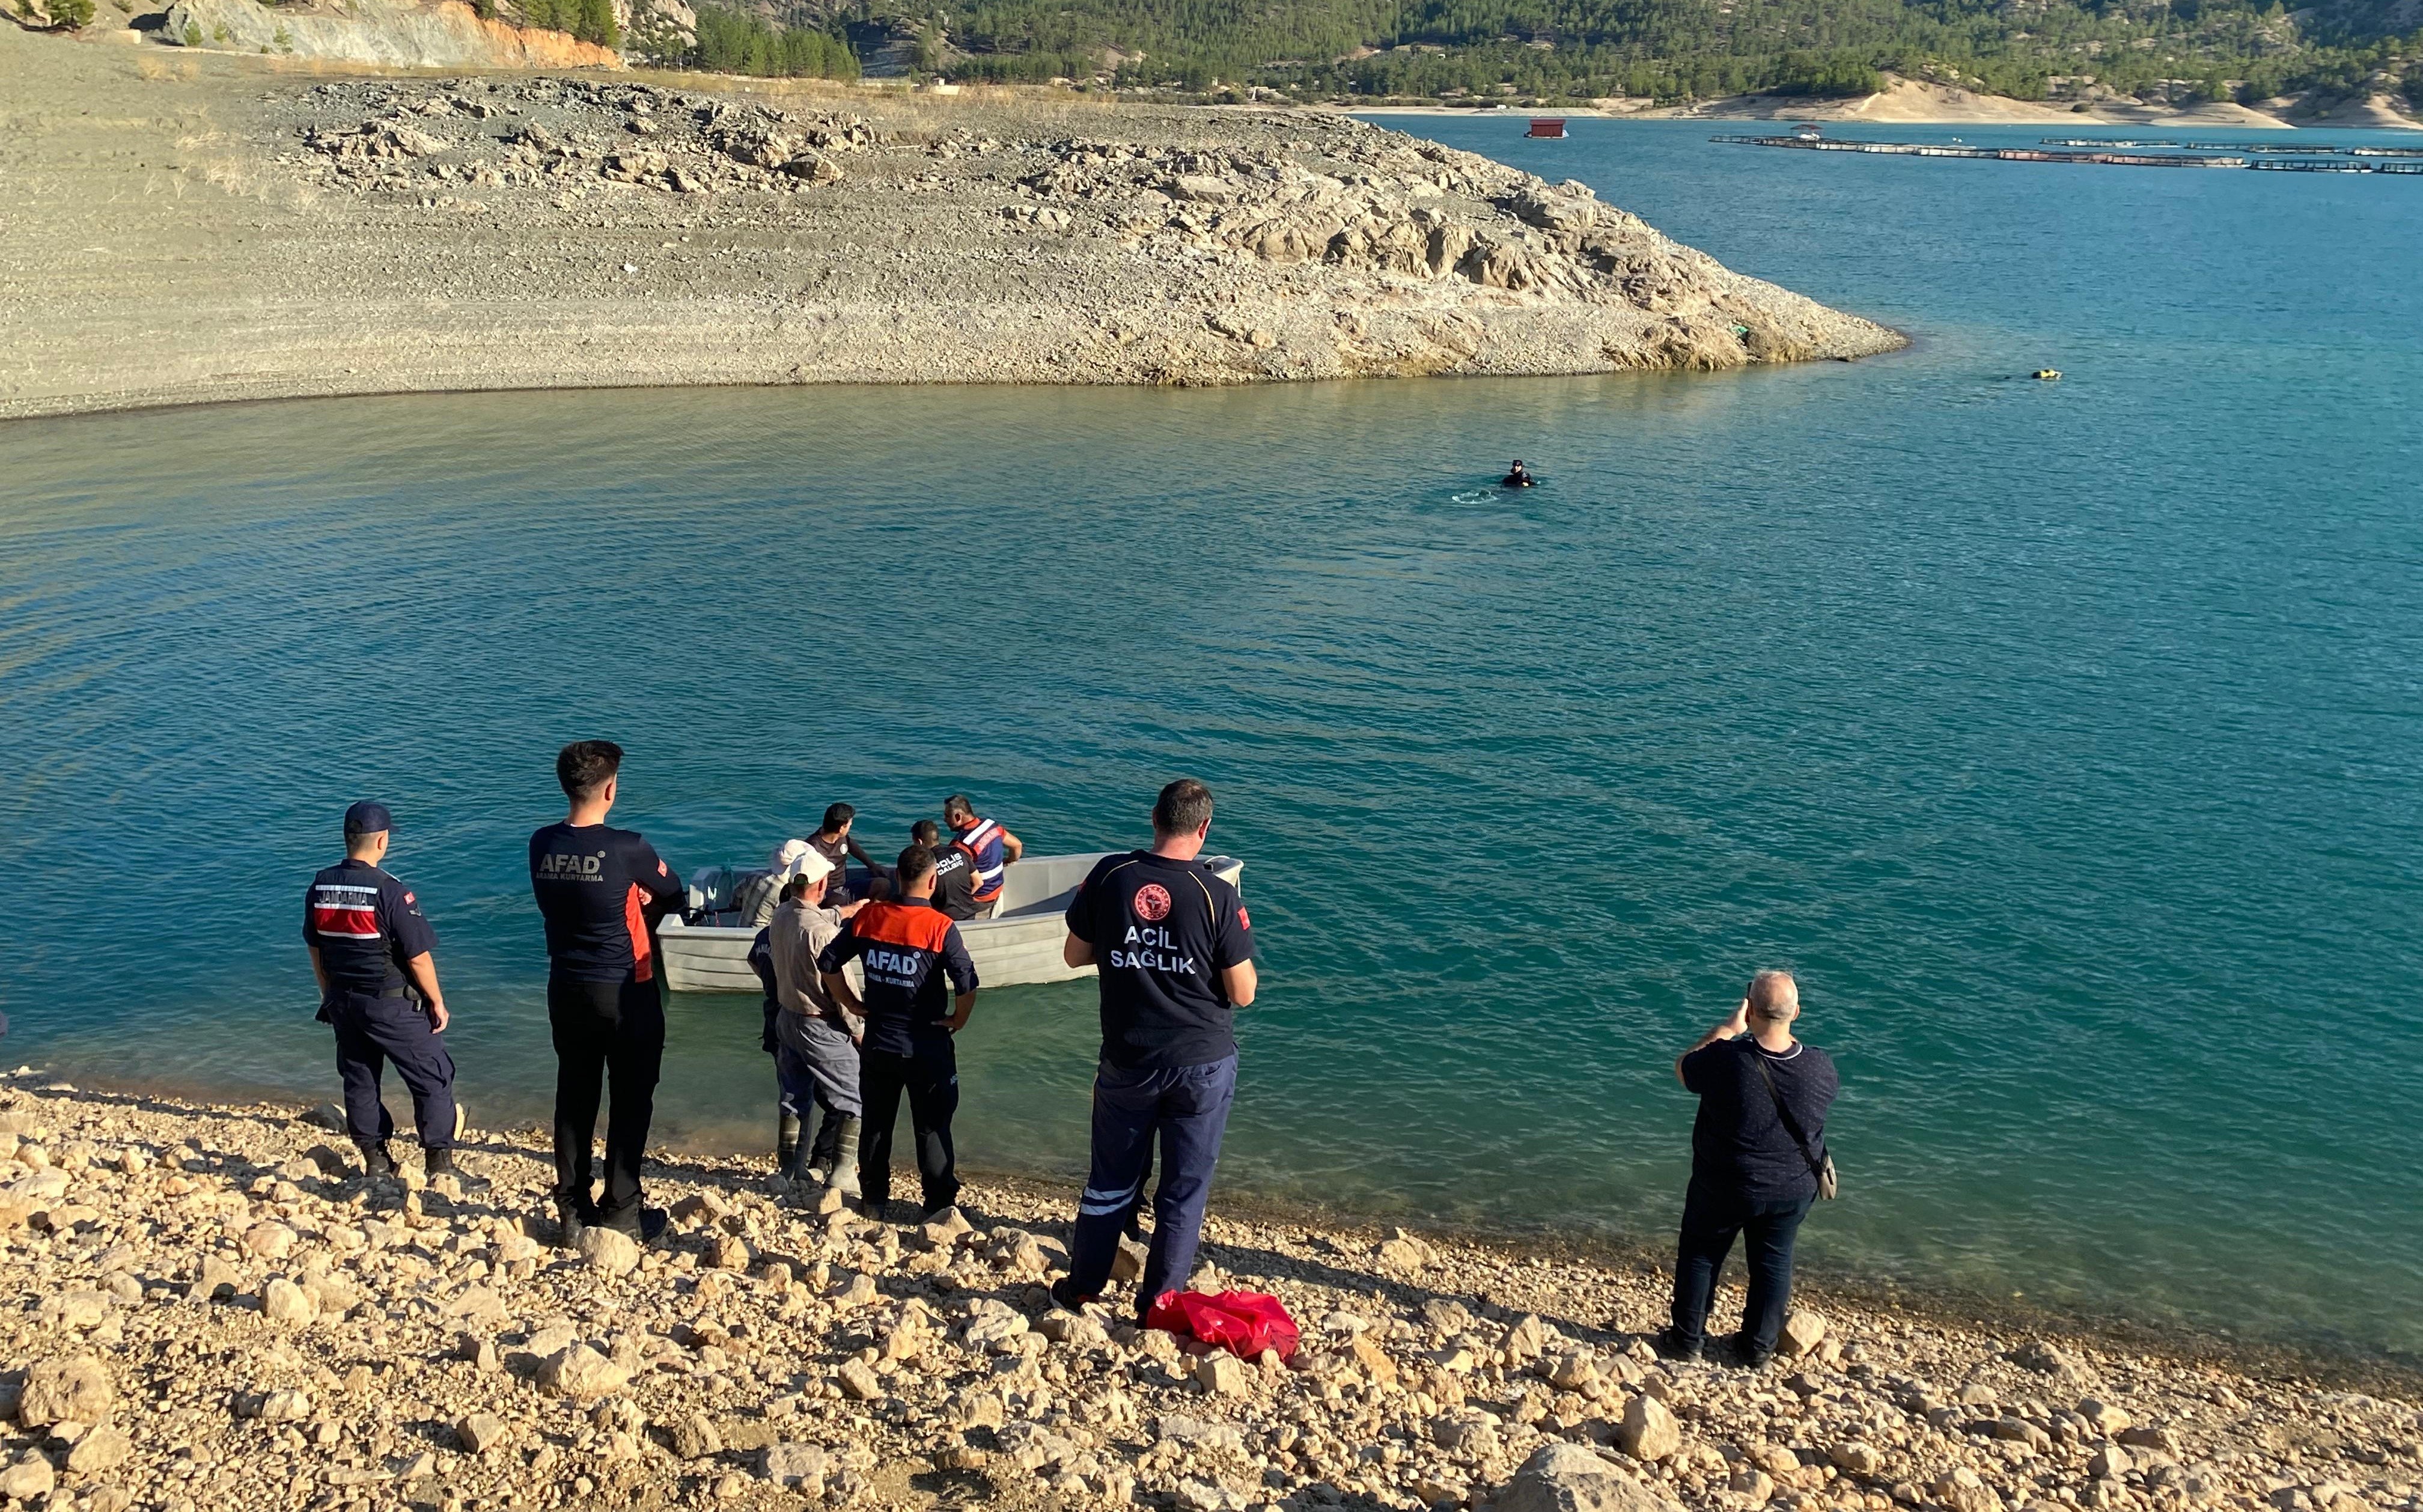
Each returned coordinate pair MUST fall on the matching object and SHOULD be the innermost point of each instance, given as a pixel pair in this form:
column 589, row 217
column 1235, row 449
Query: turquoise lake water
column 2067, row 738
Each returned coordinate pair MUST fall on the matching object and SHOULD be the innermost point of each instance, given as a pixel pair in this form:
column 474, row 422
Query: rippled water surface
column 2062, row 736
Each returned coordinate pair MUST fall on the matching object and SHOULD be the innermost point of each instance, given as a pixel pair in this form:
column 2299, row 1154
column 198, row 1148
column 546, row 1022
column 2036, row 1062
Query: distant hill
column 2159, row 52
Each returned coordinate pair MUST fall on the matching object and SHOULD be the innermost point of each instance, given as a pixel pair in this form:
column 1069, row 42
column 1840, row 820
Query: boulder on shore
column 1566, row 1477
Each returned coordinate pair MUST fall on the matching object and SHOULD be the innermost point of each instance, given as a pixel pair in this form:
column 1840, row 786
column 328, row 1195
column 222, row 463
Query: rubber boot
column 376, row 1160
column 844, row 1172
column 787, row 1141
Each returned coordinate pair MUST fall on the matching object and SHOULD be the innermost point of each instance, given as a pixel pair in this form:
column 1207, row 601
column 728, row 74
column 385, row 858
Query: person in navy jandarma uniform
column 373, row 953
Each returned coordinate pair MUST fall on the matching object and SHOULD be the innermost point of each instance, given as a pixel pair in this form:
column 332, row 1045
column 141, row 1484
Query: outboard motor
column 710, row 893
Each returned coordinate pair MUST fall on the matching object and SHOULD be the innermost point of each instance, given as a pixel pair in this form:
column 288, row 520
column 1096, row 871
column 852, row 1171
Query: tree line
column 735, row 41
column 1669, row 50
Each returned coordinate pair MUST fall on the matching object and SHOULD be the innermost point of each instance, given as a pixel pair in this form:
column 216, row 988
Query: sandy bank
column 222, row 228
column 219, row 1312
column 1913, row 102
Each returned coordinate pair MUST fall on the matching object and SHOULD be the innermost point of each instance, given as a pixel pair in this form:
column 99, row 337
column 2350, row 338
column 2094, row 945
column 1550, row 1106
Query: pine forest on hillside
column 2173, row 50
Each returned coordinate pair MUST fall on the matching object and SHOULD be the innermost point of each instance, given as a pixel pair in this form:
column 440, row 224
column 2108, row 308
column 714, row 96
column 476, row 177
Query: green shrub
column 70, row 15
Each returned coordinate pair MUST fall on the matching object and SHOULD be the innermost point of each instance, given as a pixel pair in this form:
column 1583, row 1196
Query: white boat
column 1018, row 945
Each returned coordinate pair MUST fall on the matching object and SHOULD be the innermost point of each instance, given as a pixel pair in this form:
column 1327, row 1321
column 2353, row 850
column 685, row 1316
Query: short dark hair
column 839, row 815
column 958, row 803
column 916, row 863
column 1184, row 807
column 926, row 833
column 584, row 766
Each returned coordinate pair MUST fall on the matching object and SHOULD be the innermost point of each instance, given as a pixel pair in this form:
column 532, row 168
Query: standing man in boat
column 372, row 950
column 994, row 847
column 907, row 950
column 601, row 891
column 1175, row 952
column 834, row 842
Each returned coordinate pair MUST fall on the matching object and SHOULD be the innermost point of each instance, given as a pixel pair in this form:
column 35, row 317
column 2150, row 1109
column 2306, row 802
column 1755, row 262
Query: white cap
column 798, row 858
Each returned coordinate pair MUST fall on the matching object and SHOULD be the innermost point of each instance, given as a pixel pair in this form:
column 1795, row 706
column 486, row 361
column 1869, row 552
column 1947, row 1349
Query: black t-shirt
column 1162, row 932
column 601, row 891
column 1740, row 1142
column 955, row 882
column 366, row 925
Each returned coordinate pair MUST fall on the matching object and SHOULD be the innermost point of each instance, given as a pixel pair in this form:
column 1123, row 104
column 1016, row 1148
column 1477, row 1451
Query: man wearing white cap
column 815, row 1041
column 758, row 892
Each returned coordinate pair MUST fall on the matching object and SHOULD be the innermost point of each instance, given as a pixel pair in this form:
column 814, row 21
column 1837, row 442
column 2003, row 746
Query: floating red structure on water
column 1547, row 126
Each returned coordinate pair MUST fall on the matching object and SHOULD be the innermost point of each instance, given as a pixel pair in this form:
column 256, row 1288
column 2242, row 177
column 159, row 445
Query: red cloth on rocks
column 1242, row 1322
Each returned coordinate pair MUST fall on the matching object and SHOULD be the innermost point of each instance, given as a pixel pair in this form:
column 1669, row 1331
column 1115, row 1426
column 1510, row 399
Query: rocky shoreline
column 217, row 1310
column 241, row 231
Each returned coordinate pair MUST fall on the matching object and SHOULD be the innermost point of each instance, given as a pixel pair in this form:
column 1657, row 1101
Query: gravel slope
column 215, row 1310
column 188, row 227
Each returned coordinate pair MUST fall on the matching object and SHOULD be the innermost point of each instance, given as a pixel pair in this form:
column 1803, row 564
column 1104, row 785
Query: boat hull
column 1019, row 947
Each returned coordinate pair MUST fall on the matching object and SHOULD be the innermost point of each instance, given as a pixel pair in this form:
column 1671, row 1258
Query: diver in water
column 1516, row 478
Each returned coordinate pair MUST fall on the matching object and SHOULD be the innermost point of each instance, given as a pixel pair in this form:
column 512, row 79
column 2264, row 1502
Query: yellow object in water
column 2046, row 372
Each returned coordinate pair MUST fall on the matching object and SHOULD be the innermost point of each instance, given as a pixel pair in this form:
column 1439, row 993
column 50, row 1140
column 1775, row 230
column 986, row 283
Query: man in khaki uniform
column 815, row 1041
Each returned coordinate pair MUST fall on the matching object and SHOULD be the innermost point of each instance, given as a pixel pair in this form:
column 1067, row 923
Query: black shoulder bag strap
column 1821, row 1167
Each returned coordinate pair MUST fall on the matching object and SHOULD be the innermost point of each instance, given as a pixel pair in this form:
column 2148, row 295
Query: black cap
column 367, row 818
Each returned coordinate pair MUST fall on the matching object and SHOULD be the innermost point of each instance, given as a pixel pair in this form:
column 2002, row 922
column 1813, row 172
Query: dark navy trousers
column 1711, row 1216
column 1186, row 1107
column 373, row 1032
column 931, row 1078
column 607, row 1034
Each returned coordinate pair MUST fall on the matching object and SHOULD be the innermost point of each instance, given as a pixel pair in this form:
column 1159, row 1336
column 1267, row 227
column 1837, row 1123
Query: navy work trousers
column 1712, row 1216
column 1186, row 1107
column 931, row 1076
column 371, row 1033
column 608, row 1034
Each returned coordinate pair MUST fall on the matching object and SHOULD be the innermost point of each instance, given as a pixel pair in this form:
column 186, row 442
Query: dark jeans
column 610, row 1033
column 931, row 1076
column 1187, row 1108
column 1712, row 1216
column 371, row 1033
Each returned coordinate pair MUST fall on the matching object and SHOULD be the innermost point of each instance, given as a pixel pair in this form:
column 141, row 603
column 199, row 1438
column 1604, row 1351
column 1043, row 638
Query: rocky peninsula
column 215, row 1311
column 189, row 225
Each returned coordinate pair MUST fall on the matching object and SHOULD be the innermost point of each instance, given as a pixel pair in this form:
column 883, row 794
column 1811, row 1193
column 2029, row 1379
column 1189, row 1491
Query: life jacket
column 983, row 841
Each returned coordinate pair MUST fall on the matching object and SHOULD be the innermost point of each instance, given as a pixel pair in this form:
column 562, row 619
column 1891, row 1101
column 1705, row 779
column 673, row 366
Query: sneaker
column 1742, row 1352
column 1670, row 1345
column 1066, row 1297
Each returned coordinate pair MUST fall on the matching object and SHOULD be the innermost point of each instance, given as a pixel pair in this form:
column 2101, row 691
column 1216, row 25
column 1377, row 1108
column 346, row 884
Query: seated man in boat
column 955, row 871
column 994, row 847
column 834, row 844
column 758, row 894
column 1518, row 476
